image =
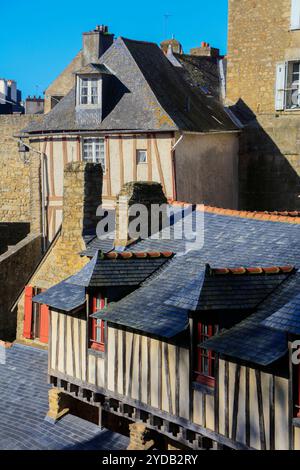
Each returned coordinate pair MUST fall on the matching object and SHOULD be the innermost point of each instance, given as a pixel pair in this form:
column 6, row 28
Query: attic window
column 89, row 91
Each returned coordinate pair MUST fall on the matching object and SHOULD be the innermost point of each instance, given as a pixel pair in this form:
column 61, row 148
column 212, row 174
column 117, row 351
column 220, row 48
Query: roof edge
column 290, row 217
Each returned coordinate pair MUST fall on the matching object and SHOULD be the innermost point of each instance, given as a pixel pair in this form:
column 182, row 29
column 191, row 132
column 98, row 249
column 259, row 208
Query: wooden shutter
column 295, row 14
column 28, row 312
column 44, row 323
column 280, row 86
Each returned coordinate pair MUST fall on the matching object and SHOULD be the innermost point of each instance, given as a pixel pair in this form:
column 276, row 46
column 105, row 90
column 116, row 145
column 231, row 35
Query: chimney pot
column 95, row 43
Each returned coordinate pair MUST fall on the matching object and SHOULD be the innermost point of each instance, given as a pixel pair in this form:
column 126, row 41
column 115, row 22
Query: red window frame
column 33, row 311
column 297, row 404
column 97, row 326
column 204, row 360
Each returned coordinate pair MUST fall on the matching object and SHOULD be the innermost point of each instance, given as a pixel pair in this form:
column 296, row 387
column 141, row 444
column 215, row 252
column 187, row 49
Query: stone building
column 20, row 235
column 10, row 97
column 263, row 85
column 124, row 104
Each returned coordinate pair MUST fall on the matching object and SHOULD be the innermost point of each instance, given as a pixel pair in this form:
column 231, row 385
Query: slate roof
column 253, row 340
column 62, row 296
column 287, row 318
column 94, row 69
column 119, row 269
column 146, row 93
column 228, row 241
column 227, row 291
column 201, row 73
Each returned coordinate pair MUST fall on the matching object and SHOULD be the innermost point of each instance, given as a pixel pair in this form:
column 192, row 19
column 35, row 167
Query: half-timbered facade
column 186, row 351
column 131, row 110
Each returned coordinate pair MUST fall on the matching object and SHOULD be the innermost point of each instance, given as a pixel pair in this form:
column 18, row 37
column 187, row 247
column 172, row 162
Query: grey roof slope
column 253, row 340
column 201, row 73
column 101, row 271
column 228, row 241
column 148, row 94
column 287, row 318
column 62, row 296
column 226, row 291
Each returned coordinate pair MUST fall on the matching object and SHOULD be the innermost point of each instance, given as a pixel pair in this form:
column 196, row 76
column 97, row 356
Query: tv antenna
column 167, row 16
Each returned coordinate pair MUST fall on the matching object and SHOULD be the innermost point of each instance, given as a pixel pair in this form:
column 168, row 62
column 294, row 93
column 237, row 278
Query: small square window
column 141, row 156
column 94, row 151
column 89, row 91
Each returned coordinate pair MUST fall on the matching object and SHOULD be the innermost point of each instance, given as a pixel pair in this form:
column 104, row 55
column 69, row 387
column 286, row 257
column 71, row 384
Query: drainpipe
column 174, row 166
column 42, row 156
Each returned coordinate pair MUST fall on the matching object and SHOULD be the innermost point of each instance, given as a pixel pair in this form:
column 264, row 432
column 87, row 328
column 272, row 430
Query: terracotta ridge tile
column 139, row 255
column 253, row 270
column 291, row 217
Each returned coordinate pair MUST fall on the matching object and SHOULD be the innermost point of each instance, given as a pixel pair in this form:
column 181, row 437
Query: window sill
column 88, row 106
column 94, row 352
column 206, row 389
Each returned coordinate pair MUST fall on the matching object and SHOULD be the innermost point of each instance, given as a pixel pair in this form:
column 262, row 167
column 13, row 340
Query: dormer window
column 89, row 91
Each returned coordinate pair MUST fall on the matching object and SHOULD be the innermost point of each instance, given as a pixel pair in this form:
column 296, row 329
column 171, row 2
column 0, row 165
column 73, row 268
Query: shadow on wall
column 268, row 178
column 12, row 233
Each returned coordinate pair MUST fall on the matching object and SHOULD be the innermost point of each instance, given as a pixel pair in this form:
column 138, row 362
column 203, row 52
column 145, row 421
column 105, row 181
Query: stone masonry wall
column 14, row 173
column 16, row 265
column 269, row 160
column 64, row 82
column 259, row 37
column 82, row 193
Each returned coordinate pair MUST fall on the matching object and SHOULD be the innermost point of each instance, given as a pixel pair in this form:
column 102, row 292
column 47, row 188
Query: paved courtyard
column 24, row 404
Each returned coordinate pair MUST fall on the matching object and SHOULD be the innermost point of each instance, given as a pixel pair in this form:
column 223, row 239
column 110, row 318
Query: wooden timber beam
column 162, row 415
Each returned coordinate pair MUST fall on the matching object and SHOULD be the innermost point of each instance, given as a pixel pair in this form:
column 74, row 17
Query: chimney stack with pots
column 205, row 50
column 95, row 43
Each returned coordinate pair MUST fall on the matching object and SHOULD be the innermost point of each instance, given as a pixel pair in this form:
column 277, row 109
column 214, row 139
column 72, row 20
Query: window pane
column 293, row 85
column 141, row 156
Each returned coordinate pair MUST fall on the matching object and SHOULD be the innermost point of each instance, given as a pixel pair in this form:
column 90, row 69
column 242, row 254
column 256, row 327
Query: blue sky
column 38, row 39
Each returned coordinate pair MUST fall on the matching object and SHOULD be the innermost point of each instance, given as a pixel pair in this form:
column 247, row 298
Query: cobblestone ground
column 24, row 404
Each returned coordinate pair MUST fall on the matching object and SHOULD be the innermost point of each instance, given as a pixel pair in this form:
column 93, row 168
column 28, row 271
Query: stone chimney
column 205, row 51
column 145, row 193
column 95, row 43
column 82, row 196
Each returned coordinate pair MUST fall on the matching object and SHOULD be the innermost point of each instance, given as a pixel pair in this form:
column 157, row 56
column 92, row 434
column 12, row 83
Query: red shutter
column 44, row 324
column 28, row 312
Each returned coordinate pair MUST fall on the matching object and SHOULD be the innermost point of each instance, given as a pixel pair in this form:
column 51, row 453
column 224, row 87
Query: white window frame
column 138, row 153
column 285, row 85
column 295, row 15
column 90, row 81
column 92, row 154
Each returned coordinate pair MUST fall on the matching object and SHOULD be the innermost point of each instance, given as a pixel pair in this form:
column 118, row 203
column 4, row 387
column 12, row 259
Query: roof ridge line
column 254, row 270
column 265, row 216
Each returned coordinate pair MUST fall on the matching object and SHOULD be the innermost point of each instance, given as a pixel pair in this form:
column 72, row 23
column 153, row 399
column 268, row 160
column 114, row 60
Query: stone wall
column 16, row 265
column 269, row 160
column 82, row 193
column 14, row 173
column 259, row 37
column 64, row 82
column 269, row 164
column 12, row 233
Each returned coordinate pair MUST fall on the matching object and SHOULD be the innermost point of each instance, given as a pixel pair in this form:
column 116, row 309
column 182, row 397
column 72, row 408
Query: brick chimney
column 145, row 193
column 95, row 43
column 205, row 51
